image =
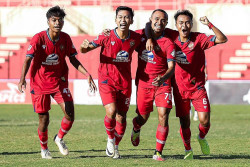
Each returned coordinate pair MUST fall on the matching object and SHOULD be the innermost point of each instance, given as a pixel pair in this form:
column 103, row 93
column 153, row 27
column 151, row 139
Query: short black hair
column 160, row 10
column 125, row 8
column 183, row 12
column 55, row 11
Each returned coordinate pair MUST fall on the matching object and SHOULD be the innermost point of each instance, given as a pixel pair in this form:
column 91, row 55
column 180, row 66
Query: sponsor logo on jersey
column 52, row 59
column 181, row 58
column 112, row 43
column 43, row 46
column 30, row 46
column 122, row 56
column 12, row 95
column 191, row 45
column 147, row 56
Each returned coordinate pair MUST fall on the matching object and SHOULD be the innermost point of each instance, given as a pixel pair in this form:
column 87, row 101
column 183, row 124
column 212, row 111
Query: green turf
column 229, row 139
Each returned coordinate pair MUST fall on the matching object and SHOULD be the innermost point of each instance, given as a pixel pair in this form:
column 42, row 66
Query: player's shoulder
column 64, row 35
column 140, row 31
column 135, row 34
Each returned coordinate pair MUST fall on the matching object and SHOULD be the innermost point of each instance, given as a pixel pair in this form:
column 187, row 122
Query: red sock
column 136, row 125
column 186, row 136
column 65, row 127
column 119, row 131
column 203, row 131
column 43, row 136
column 110, row 126
column 161, row 137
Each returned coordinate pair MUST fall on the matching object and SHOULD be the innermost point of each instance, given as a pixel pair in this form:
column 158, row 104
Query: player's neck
column 183, row 39
column 54, row 35
column 122, row 34
column 156, row 35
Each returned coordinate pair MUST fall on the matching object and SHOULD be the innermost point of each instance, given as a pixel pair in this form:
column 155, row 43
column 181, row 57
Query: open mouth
column 123, row 25
column 184, row 31
column 57, row 27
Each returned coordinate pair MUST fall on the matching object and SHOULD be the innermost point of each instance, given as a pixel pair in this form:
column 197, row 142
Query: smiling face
column 123, row 20
column 184, row 25
column 158, row 22
column 55, row 24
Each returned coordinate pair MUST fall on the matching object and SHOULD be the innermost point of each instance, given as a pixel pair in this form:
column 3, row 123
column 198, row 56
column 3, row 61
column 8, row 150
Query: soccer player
column 153, row 81
column 49, row 77
column 189, row 75
column 114, row 75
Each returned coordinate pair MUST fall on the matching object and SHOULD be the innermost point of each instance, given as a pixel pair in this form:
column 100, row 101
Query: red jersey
column 49, row 67
column 115, row 58
column 152, row 64
column 190, row 58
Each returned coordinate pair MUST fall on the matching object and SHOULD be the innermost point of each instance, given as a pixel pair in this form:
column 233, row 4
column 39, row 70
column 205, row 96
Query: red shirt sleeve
column 206, row 41
column 71, row 48
column 34, row 46
column 99, row 40
column 170, row 51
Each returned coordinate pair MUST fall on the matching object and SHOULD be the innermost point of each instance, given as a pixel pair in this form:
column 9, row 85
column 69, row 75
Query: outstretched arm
column 81, row 69
column 25, row 69
column 158, row 81
column 86, row 46
column 220, row 37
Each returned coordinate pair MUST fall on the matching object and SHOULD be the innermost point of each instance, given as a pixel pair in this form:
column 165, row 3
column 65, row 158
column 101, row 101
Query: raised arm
column 25, row 69
column 220, row 37
column 148, row 33
column 86, row 46
column 158, row 81
column 81, row 69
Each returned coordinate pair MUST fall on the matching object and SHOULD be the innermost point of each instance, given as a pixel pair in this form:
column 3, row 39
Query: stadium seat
column 229, row 75
column 6, row 53
column 10, row 46
column 242, row 53
column 16, row 40
column 239, row 60
column 235, row 67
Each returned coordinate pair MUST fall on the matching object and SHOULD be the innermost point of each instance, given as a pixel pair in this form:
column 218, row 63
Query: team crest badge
column 191, row 45
column 61, row 47
column 112, row 43
column 29, row 47
column 44, row 46
column 173, row 53
column 132, row 43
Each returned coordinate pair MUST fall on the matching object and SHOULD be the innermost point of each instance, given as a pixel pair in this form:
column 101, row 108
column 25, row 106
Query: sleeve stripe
column 213, row 38
column 170, row 60
column 30, row 55
column 95, row 45
column 73, row 54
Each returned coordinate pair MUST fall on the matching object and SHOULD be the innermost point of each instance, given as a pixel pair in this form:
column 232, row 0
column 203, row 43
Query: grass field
column 229, row 139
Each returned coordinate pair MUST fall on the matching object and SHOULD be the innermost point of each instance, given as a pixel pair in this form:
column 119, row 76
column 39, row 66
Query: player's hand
column 85, row 44
column 22, row 86
column 92, row 85
column 150, row 45
column 106, row 32
column 204, row 20
column 158, row 81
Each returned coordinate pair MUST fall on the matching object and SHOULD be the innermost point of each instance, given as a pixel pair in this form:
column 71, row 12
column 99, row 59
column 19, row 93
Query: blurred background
column 227, row 64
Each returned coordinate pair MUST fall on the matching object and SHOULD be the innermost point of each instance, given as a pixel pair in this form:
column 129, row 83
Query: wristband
column 210, row 25
column 87, row 74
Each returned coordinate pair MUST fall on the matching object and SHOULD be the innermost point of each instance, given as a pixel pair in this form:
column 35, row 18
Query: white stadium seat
column 16, row 40
column 242, row 52
column 10, row 46
column 239, row 60
column 235, row 67
column 6, row 53
column 229, row 75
